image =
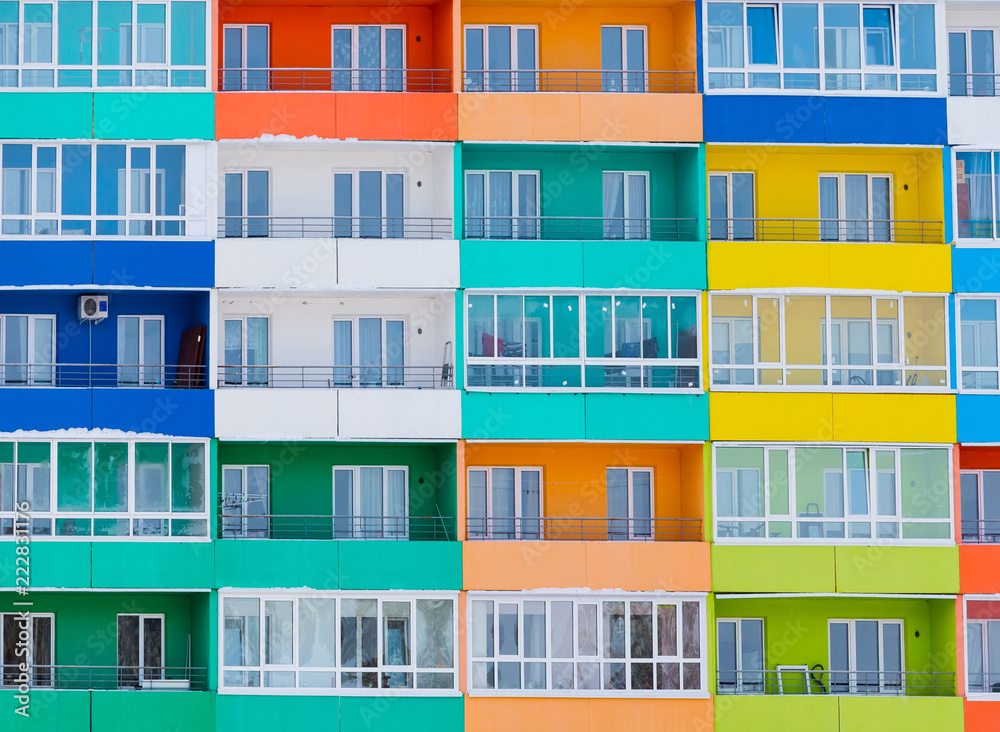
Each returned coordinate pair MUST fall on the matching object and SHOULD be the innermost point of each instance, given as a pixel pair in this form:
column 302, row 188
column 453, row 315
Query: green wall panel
column 525, row 416
column 776, row 714
column 47, row 115
column 392, row 714
column 168, row 565
column 247, row 713
column 48, row 711
column 507, row 263
column 913, row 714
column 400, row 565
column 159, row 116
column 773, row 569
column 153, row 711
column 891, row 569
column 646, row 416
column 52, row 564
column 652, row 265
column 277, row 563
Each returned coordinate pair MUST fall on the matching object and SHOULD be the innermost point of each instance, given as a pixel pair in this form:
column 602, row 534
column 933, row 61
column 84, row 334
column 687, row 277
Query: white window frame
column 134, row 67
column 959, row 299
column 356, row 84
column 28, row 656
column 243, row 368
column 632, row 229
column 645, row 44
column 633, row 533
column 151, row 374
column 742, row 686
column 244, row 518
column 244, row 77
column 145, row 682
column 244, row 185
column 355, row 174
column 978, row 242
column 518, row 519
column 939, row 73
column 969, row 691
column 516, row 219
column 794, row 518
column 381, row 596
column 730, row 222
column 484, row 85
column 632, row 365
column 359, row 528
column 589, row 598
column 31, row 376
column 900, row 365
column 969, row 75
column 356, row 368
column 852, row 655
column 871, row 222
column 131, row 514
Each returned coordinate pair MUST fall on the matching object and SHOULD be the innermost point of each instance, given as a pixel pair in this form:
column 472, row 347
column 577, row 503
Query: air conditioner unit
column 93, row 307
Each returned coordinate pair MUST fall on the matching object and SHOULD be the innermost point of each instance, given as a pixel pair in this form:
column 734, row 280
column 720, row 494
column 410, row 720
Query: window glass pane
column 841, row 36
column 74, row 477
column 917, row 47
column 762, row 35
column 691, row 635
column 801, row 35
column 434, row 634
column 974, row 193
column 241, row 631
column 187, row 33
column 76, row 180
column 878, row 36
column 805, row 338
column 924, row 473
column 188, row 490
column 752, row 645
column 778, row 481
column 926, row 346
column 725, row 35
column 566, row 326
column 75, row 33
column 38, row 33
column 819, row 492
column 170, row 195
column 111, row 172
column 151, row 471
column 277, row 632
column 151, row 34
column 33, row 474
column 110, row 476
column 114, row 44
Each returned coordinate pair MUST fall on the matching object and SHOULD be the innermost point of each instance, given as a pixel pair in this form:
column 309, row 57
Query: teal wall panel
column 153, row 711
column 645, row 265
column 248, row 713
column 276, row 563
column 51, row 564
column 511, row 416
column 508, row 263
column 647, row 416
column 159, row 116
column 48, row 711
column 400, row 565
column 168, row 565
column 394, row 713
column 47, row 115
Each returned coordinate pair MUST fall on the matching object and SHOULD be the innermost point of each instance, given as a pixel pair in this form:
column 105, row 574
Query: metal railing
column 550, row 528
column 178, row 678
column 330, row 227
column 576, row 80
column 974, row 85
column 272, row 526
column 338, row 377
column 800, row 680
column 313, row 79
column 583, row 228
column 832, row 230
column 97, row 375
column 981, row 531
column 980, row 683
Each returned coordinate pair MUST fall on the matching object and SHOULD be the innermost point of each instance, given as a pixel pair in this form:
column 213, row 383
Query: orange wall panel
column 587, row 715
column 641, row 117
column 978, row 458
column 982, row 716
column 977, row 566
column 489, row 116
column 410, row 116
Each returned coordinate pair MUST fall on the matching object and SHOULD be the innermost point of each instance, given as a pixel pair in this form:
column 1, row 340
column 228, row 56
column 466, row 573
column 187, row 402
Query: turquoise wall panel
column 508, row 416
column 168, row 565
column 160, row 116
column 645, row 265
column 400, row 565
column 47, row 115
column 647, row 416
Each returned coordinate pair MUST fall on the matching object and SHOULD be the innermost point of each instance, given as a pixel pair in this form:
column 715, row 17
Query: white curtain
column 370, row 350
column 856, row 207
column 395, row 503
column 500, row 205
column 503, row 502
column 614, row 205
column 371, row 502
column 343, row 356
column 530, row 503
column 343, row 504
column 317, row 632
column 636, row 213
column 475, row 184
column 974, row 635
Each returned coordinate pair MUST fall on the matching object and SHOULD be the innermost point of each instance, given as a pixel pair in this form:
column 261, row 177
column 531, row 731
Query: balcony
column 102, row 376
column 106, row 678
column 318, row 527
column 565, row 228
column 981, row 531
column 338, row 80
column 581, row 82
column 338, row 227
column 826, row 230
column 802, row 680
column 338, row 377
column 548, row 528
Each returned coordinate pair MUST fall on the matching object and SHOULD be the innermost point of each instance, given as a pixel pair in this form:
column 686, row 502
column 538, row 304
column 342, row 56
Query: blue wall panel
column 154, row 263
column 825, row 120
column 38, row 408
column 975, row 270
column 978, row 417
column 41, row 262
column 181, row 412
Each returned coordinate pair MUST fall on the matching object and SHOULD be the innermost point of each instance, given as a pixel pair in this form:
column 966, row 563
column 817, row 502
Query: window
column 547, row 341
column 623, row 58
column 975, row 173
column 977, row 343
column 831, row 46
column 501, row 58
column 339, row 644
column 369, row 57
column 245, row 58
column 505, row 503
column 27, row 349
column 981, row 507
column 368, row 203
column 630, row 503
column 855, row 207
column 140, row 650
column 94, row 190
column 30, row 641
column 106, row 489
column 626, row 205
column 502, row 204
column 245, row 351
column 247, row 204
column 982, row 638
column 370, row 502
column 972, row 61
column 140, row 350
column 741, row 655
column 806, row 341
column 633, row 644
column 59, row 48
column 246, row 504
column 802, row 494
column 369, row 352
column 731, row 208
column 866, row 657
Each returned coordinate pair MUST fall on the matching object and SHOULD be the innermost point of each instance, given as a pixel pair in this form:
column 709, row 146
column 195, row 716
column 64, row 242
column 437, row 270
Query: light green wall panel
column 47, row 115
column 773, row 569
column 776, row 714
column 153, row 711
column 52, row 563
column 897, row 569
column 168, row 565
column 400, row 565
column 276, row 563
column 506, row 416
column 395, row 713
column 49, row 711
column 160, row 116
column 646, row 416
column 653, row 265
column 247, row 713
column 507, row 263
column 912, row 714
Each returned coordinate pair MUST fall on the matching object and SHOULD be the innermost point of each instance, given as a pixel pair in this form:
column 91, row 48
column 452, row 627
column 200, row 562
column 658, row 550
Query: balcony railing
column 981, row 531
column 800, row 680
column 980, row 683
column 551, row 528
column 178, row 678
column 511, row 372
column 974, row 85
column 330, row 227
column 362, row 80
column 271, row 526
column 574, row 80
column 831, row 230
column 96, row 375
column 338, row 377
column 576, row 228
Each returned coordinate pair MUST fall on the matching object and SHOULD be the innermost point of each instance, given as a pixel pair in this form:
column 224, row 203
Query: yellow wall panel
column 894, row 418
column 769, row 416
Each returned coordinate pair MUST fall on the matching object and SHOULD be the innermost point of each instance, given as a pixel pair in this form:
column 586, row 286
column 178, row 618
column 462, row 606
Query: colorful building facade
column 467, row 366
